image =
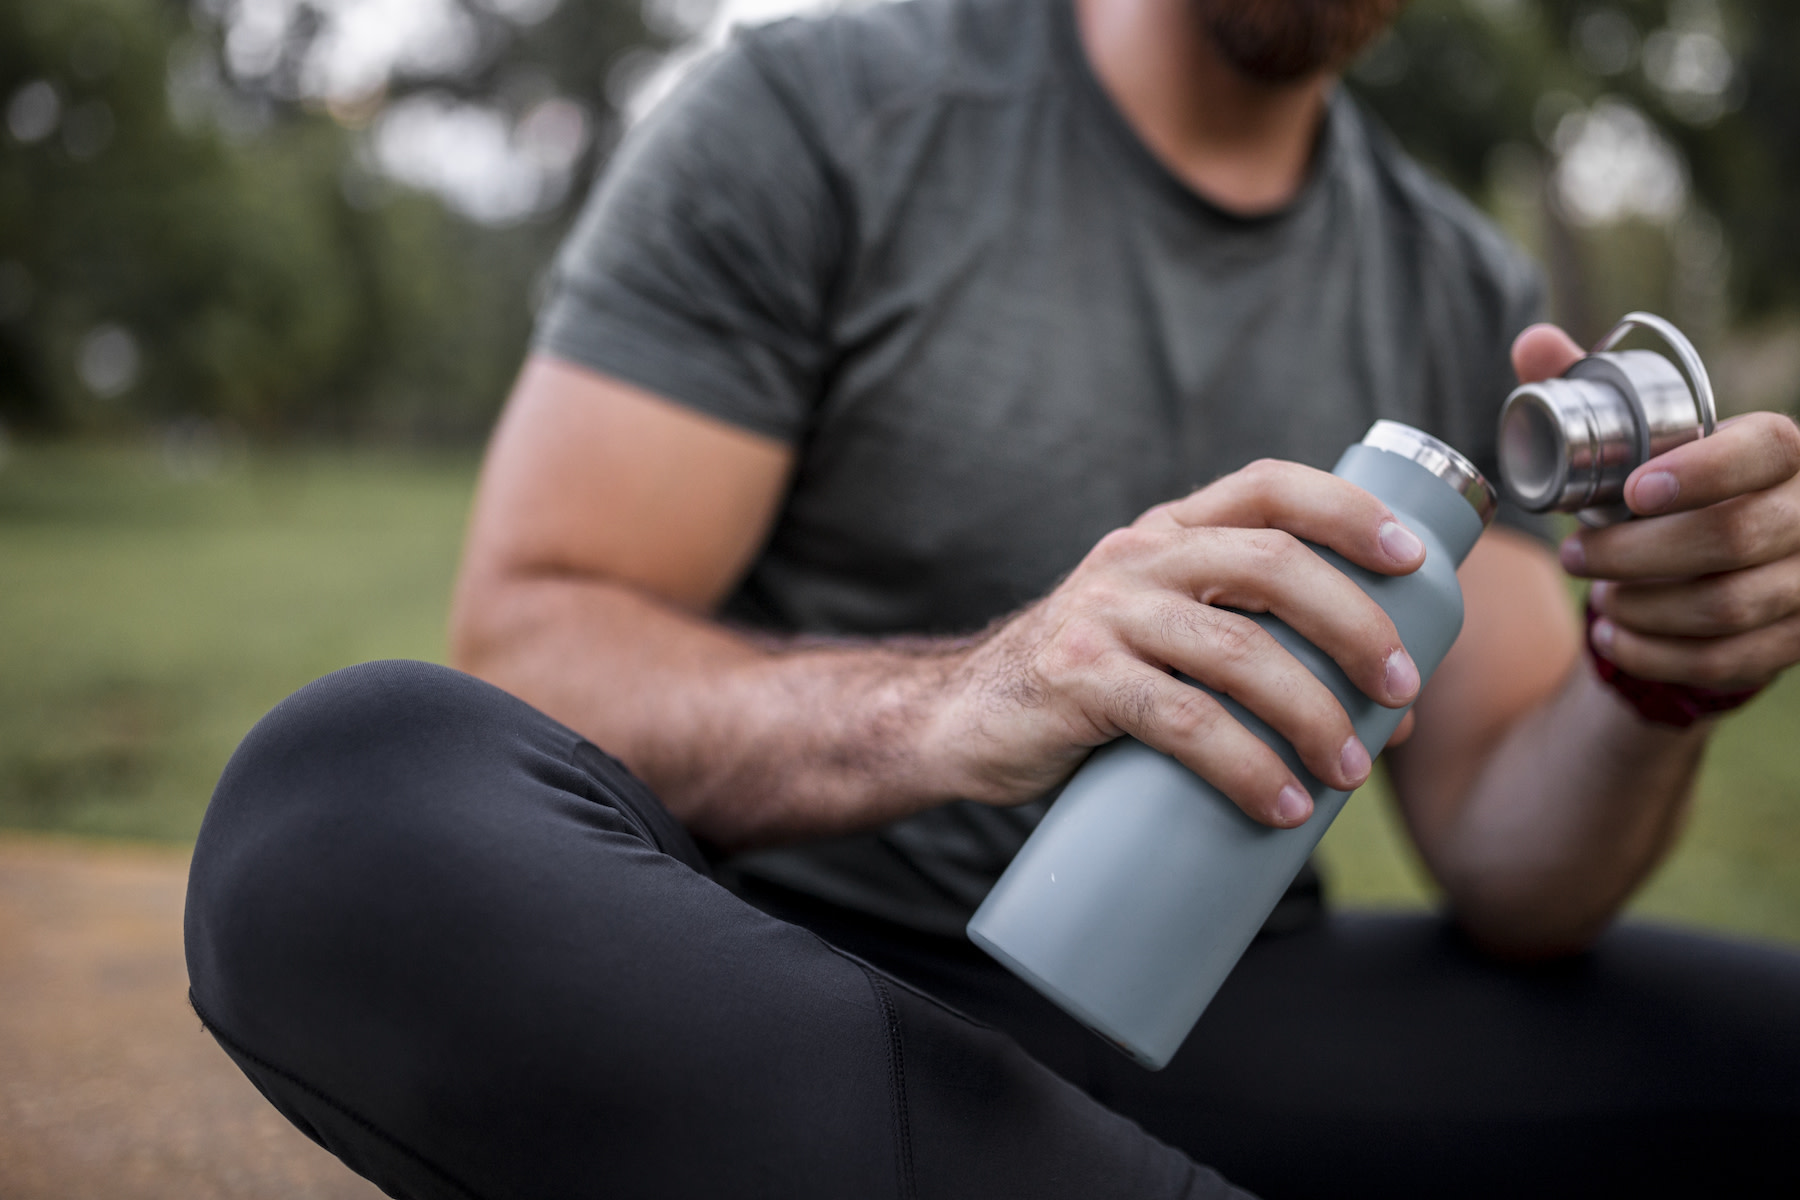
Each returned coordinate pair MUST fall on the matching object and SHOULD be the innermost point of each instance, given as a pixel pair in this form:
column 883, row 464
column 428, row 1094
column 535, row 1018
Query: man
column 849, row 500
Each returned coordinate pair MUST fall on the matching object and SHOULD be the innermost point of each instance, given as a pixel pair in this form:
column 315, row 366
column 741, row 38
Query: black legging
column 472, row 956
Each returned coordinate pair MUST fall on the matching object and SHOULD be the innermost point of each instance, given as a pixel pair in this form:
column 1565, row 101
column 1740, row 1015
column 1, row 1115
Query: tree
column 1478, row 88
column 178, row 242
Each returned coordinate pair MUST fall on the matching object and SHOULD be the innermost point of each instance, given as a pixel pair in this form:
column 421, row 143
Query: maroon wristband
column 1676, row 704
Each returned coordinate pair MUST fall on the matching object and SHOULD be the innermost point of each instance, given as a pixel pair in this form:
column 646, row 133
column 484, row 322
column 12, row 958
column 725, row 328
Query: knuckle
column 1333, row 723
column 1270, row 550
column 1363, row 644
column 1235, row 639
column 1191, row 715
column 1121, row 546
column 1263, row 473
column 1130, row 702
column 1743, row 531
column 1156, row 514
column 1075, row 651
column 1789, row 641
column 1099, row 599
column 1180, row 622
column 1326, row 723
column 1378, row 635
column 1729, row 605
column 1713, row 665
column 1259, row 775
column 1784, row 518
column 1784, row 434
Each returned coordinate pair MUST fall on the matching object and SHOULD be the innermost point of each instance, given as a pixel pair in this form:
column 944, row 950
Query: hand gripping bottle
column 1142, row 886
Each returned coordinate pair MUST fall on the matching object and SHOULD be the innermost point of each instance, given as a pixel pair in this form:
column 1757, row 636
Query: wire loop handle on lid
column 1685, row 354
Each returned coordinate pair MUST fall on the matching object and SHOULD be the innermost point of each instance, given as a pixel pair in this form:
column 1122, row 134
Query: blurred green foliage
column 1491, row 93
column 180, row 238
column 174, row 245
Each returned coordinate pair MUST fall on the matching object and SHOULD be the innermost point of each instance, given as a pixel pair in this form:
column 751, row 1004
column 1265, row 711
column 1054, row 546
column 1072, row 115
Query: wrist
column 1676, row 705
column 819, row 740
column 994, row 736
column 914, row 714
column 957, row 737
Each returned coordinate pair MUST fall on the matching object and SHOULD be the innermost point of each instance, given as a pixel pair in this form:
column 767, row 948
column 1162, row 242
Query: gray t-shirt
column 919, row 243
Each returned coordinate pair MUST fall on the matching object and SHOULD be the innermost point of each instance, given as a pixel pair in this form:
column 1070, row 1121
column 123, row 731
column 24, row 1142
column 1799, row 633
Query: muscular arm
column 609, row 523
column 1537, row 798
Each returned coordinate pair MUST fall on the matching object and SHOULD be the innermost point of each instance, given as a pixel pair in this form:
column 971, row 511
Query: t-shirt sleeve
column 700, row 266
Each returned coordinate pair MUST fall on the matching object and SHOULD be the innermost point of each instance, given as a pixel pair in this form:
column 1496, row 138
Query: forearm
column 1577, row 803
column 748, row 740
column 1581, row 799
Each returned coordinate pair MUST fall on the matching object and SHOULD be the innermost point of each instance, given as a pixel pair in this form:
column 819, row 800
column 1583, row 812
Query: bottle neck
column 1416, row 495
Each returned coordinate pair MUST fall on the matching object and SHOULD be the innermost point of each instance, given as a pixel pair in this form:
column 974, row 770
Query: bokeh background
column 267, row 267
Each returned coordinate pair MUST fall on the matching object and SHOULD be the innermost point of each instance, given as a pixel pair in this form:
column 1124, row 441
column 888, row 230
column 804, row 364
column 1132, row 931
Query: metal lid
column 1441, row 460
column 1685, row 354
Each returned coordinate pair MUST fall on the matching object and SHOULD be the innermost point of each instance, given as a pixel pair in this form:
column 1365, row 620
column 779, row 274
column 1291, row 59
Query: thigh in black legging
column 1384, row 1057
column 470, row 955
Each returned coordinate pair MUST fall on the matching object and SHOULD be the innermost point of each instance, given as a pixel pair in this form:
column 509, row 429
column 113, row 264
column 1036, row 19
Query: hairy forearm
column 749, row 740
column 1577, row 803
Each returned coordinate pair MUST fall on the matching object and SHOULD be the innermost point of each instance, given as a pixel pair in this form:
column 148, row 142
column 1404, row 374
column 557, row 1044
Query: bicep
column 1518, row 644
column 591, row 477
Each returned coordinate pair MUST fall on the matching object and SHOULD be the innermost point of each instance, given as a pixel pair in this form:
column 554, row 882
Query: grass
column 149, row 619
column 1737, row 868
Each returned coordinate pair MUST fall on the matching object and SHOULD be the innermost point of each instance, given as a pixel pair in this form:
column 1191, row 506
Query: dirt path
column 108, row 1085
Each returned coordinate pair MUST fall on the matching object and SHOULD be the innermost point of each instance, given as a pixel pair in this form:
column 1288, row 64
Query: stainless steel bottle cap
column 1415, row 445
column 1568, row 444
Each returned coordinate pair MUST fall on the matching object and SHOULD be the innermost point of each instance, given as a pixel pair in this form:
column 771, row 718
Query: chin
column 1284, row 41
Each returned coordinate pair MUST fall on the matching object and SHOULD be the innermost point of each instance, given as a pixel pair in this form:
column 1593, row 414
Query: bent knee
column 360, row 735
column 339, row 790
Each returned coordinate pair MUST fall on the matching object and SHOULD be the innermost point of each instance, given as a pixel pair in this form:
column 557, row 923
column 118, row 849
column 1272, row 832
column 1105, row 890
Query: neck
column 1242, row 143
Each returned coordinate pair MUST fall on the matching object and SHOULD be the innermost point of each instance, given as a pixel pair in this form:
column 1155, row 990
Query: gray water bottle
column 1143, row 885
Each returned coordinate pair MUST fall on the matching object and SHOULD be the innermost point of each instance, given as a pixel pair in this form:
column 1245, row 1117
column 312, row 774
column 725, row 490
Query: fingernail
column 1602, row 636
column 1599, row 592
column 1293, row 805
column 1655, row 491
column 1354, row 761
column 1402, row 678
column 1573, row 554
column 1398, row 542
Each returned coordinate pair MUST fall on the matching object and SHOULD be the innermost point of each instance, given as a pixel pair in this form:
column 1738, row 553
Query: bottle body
column 1143, row 885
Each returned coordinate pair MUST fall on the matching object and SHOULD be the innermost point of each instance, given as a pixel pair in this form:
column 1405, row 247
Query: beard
column 1281, row 41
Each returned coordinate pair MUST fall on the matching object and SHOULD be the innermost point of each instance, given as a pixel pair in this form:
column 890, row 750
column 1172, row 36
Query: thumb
column 1543, row 352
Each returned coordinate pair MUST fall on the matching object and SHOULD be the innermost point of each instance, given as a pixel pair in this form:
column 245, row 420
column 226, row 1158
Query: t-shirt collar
column 1091, row 98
